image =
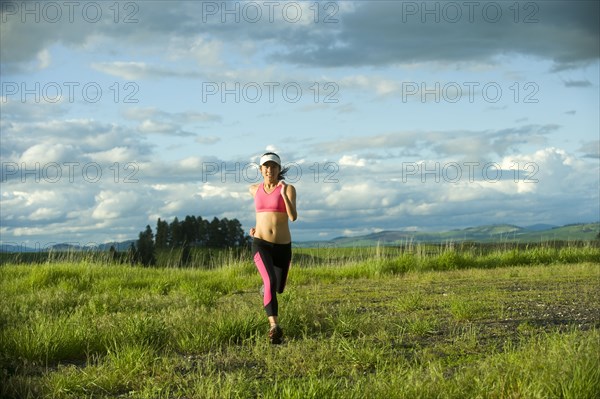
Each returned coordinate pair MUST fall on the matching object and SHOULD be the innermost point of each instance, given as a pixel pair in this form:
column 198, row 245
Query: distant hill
column 483, row 234
column 16, row 248
column 119, row 246
column 487, row 233
column 66, row 247
column 540, row 227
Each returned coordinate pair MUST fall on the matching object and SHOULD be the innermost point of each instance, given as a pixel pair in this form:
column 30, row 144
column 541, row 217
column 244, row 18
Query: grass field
column 375, row 324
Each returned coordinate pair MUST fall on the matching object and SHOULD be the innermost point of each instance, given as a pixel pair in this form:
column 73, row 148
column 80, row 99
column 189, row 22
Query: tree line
column 199, row 232
column 193, row 231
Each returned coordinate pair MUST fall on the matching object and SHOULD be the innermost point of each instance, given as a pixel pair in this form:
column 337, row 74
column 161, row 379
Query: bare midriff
column 273, row 227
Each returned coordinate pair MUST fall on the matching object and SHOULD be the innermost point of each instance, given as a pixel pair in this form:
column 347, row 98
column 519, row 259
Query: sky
column 391, row 115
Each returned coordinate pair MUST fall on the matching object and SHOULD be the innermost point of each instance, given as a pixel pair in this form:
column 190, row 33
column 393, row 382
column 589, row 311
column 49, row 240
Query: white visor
column 270, row 157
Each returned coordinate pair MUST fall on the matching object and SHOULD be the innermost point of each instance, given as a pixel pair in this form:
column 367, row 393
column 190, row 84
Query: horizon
column 433, row 116
column 37, row 247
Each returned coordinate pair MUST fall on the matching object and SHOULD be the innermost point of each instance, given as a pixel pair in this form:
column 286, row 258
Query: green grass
column 372, row 324
column 407, row 256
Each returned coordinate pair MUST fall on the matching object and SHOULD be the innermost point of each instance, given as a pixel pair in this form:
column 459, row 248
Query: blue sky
column 391, row 115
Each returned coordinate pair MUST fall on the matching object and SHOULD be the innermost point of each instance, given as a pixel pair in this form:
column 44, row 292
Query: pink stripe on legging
column 265, row 276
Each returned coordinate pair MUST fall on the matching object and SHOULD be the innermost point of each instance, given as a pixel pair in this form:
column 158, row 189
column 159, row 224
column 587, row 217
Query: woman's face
column 270, row 171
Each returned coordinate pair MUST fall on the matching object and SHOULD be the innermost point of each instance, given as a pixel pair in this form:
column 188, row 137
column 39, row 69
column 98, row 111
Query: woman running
column 275, row 203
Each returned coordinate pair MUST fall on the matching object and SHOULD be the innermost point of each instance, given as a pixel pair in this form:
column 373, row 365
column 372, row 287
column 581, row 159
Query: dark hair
column 282, row 170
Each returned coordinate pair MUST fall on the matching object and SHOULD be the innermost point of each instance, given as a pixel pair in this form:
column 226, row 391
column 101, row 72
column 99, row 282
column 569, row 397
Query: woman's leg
column 282, row 258
column 263, row 259
column 272, row 262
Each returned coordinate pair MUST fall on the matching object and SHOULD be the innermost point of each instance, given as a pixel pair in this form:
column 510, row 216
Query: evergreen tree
column 188, row 229
column 162, row 234
column 112, row 254
column 191, row 232
column 176, row 234
column 132, row 254
column 236, row 232
column 225, row 241
column 232, row 233
column 145, row 246
column 202, row 227
column 186, row 255
column 215, row 234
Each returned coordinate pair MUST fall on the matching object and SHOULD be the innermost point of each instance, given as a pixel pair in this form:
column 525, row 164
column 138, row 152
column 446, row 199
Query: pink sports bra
column 269, row 202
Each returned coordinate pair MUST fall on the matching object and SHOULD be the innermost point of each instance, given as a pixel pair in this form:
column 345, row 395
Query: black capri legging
column 273, row 263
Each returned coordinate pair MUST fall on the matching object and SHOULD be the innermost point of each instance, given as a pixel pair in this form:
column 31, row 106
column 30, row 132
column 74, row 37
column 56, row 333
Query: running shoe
column 276, row 335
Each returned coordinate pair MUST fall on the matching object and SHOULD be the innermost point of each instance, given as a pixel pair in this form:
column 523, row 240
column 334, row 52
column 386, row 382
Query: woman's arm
column 252, row 189
column 288, row 193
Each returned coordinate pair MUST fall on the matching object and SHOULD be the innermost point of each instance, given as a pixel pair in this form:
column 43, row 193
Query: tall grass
column 379, row 322
column 409, row 254
column 365, row 263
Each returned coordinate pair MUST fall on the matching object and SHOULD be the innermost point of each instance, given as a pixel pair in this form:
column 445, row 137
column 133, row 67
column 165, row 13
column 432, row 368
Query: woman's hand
column 252, row 231
column 283, row 185
column 290, row 200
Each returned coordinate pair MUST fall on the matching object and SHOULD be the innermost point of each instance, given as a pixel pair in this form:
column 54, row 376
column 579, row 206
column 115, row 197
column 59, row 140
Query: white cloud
column 470, row 144
column 45, row 153
column 114, row 204
column 591, row 149
column 380, row 86
column 149, row 126
column 135, row 70
column 352, row 160
column 191, row 164
column 369, row 52
column 125, row 70
column 163, row 128
column 189, row 116
column 207, row 53
column 24, row 207
column 342, row 207
column 359, row 232
column 16, row 110
column 116, row 154
column 45, row 214
column 359, row 196
column 44, row 59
